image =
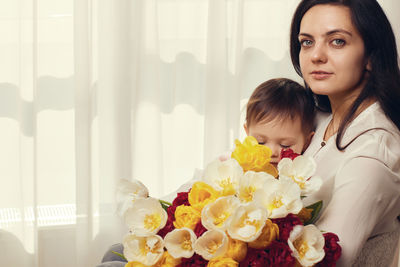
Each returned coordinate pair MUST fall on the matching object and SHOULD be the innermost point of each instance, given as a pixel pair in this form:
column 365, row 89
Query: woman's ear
column 368, row 67
column 246, row 129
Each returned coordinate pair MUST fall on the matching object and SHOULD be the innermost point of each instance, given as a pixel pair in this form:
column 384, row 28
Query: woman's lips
column 320, row 75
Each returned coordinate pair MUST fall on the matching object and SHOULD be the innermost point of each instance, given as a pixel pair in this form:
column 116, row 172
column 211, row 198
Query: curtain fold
column 94, row 91
column 83, row 123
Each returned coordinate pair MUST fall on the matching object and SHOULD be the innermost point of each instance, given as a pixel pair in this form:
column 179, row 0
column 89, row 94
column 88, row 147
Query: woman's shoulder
column 380, row 144
column 374, row 136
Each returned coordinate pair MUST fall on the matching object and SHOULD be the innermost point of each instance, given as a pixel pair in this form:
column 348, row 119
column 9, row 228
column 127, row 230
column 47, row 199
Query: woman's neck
column 340, row 110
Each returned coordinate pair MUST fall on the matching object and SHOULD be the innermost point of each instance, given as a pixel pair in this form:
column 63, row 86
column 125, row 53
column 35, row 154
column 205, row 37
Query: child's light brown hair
column 281, row 98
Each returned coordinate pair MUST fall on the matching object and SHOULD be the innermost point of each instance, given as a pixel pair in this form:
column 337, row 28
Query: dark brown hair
column 383, row 82
column 281, row 98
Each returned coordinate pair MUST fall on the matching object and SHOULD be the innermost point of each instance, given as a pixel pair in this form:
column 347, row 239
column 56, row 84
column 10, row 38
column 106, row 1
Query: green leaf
column 316, row 208
column 119, row 254
column 164, row 204
column 164, row 207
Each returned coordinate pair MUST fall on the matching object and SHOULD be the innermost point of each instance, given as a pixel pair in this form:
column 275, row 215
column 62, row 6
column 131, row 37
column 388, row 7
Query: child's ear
column 246, row 129
column 308, row 141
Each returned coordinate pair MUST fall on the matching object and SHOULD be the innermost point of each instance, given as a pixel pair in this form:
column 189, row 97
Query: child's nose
column 276, row 150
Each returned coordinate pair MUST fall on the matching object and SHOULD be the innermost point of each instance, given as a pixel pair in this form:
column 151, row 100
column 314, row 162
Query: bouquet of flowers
column 242, row 212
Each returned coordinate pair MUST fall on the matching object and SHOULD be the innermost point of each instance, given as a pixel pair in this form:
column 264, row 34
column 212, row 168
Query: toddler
column 280, row 114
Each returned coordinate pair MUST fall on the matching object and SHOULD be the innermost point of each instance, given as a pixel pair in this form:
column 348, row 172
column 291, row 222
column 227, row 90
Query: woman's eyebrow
column 338, row 31
column 327, row 33
column 305, row 34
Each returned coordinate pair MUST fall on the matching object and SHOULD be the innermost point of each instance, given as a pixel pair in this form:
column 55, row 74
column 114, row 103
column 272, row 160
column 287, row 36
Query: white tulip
column 301, row 171
column 128, row 192
column 147, row 250
column 247, row 222
column 279, row 198
column 307, row 244
column 250, row 182
column 216, row 215
column 223, row 175
column 146, row 217
column 211, row 244
column 180, row 242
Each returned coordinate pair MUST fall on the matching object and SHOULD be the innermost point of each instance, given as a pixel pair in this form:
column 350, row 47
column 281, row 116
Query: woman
column 345, row 51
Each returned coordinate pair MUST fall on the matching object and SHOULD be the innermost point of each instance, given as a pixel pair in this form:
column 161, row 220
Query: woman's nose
column 319, row 54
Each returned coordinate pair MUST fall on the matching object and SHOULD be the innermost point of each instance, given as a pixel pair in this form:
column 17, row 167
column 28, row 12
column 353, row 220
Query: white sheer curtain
column 92, row 91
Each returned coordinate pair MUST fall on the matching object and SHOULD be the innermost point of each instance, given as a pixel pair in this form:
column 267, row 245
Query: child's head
column 280, row 115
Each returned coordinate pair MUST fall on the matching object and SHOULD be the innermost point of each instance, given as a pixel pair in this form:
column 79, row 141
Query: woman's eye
column 285, row 146
column 305, row 43
column 261, row 143
column 339, row 42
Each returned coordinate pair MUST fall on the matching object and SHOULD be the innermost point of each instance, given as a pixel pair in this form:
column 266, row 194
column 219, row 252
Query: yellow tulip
column 201, row 194
column 134, row 264
column 167, row 261
column 237, row 250
column 253, row 156
column 222, row 262
column 186, row 216
column 269, row 233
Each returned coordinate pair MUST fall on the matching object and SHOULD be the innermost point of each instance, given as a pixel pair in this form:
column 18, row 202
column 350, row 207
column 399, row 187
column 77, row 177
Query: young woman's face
column 331, row 57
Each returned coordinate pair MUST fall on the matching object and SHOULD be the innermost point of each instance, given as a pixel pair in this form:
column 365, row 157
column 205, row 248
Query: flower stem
column 119, row 254
column 165, row 202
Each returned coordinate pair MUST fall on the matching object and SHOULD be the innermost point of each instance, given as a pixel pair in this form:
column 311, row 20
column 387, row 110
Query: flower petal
column 307, row 244
column 217, row 215
column 250, row 182
column 127, row 192
column 223, row 175
column 211, row 244
column 247, row 222
column 180, row 242
column 146, row 217
column 147, row 250
column 279, row 198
